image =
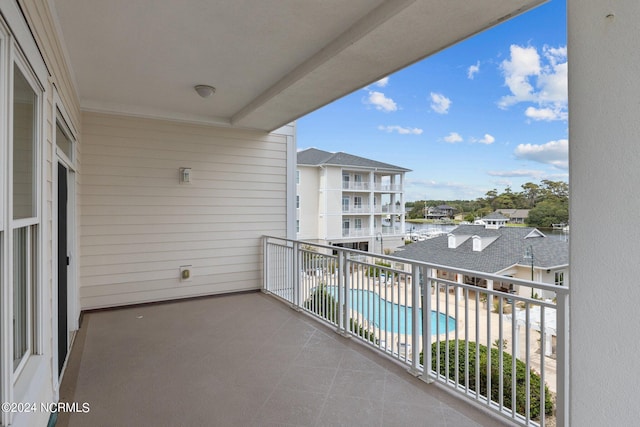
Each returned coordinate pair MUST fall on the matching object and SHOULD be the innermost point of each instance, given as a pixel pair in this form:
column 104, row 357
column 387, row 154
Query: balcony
column 387, row 188
column 376, row 304
column 357, row 209
column 240, row 360
column 356, row 232
column 355, row 186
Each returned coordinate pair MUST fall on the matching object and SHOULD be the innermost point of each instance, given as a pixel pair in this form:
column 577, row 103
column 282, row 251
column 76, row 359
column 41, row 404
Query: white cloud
column 473, row 70
column 537, row 79
column 518, row 173
column 381, row 102
column 453, row 137
column 546, row 114
column 401, row 130
column 382, row 82
column 554, row 153
column 486, row 139
column 440, row 103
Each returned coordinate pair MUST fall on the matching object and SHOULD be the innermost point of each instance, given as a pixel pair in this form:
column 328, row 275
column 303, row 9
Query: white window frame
column 17, row 45
column 357, row 223
column 35, row 300
column 346, row 206
column 357, row 202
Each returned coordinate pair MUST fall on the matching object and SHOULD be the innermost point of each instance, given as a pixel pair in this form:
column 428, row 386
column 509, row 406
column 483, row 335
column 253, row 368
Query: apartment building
column 349, row 201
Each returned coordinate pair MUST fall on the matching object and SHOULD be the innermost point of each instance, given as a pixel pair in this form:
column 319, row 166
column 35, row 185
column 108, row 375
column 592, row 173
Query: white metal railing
column 380, row 301
column 357, row 209
column 355, row 232
column 387, row 187
column 356, row 186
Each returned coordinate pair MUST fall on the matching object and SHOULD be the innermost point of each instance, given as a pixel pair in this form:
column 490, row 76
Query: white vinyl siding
column 139, row 225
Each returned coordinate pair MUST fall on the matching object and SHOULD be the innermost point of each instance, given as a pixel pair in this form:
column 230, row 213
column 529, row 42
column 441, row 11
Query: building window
column 559, row 279
column 297, row 225
column 297, row 176
column 24, row 147
column 297, row 202
column 345, row 228
column 64, row 142
column 357, row 202
column 345, row 182
column 358, row 223
column 345, row 204
column 24, row 233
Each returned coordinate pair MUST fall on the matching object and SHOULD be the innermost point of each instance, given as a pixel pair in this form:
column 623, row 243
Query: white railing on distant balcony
column 362, row 209
column 388, row 230
column 390, row 209
column 355, row 232
column 387, row 187
column 355, row 186
column 375, row 301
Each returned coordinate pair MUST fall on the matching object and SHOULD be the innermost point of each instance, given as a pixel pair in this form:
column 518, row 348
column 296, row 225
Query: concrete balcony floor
column 241, row 360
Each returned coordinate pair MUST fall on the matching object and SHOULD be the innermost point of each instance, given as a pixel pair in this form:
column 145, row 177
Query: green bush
column 322, row 303
column 521, row 372
column 375, row 271
column 325, row 305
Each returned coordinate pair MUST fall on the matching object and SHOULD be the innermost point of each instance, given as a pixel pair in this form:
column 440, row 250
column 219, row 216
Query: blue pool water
column 391, row 317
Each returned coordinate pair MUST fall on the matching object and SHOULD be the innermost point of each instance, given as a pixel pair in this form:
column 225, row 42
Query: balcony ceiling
column 271, row 61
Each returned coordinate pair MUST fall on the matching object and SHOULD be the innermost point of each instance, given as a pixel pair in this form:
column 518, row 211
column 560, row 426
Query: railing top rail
column 558, row 289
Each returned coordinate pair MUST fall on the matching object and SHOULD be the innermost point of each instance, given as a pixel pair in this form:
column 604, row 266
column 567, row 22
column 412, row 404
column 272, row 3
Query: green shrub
column 521, row 372
column 322, row 303
column 375, row 271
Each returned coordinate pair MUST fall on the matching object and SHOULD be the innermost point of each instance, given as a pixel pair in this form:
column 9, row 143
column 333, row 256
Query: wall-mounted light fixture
column 185, row 175
column 205, row 91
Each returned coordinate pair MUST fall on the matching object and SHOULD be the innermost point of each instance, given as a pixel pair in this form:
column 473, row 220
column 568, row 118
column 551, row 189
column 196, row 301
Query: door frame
column 73, row 302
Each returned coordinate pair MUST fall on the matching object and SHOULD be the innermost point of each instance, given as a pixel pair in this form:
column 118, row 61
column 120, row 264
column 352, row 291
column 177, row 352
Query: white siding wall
column 139, row 224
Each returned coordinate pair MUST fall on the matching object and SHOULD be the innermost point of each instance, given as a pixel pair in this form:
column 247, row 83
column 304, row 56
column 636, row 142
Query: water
column 417, row 227
column 392, row 317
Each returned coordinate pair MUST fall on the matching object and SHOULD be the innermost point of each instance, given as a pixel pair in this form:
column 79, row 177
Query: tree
column 557, row 189
column 418, row 210
column 549, row 212
column 531, row 193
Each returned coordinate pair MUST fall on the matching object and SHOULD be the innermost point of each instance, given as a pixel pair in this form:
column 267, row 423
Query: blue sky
column 489, row 112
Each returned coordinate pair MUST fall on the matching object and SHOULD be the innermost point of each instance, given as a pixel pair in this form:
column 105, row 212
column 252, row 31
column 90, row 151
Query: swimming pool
column 391, row 317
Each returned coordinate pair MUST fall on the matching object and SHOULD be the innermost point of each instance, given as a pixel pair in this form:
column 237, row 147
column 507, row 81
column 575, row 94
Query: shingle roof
column 506, row 250
column 495, row 215
column 315, row 157
column 514, row 213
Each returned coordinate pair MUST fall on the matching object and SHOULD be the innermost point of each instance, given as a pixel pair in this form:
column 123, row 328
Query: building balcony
column 390, row 188
column 240, row 360
column 356, row 232
column 356, row 186
column 377, row 305
column 362, row 209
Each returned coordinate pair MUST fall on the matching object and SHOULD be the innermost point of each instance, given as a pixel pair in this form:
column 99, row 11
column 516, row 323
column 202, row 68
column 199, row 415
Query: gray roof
column 495, row 215
column 315, row 157
column 514, row 213
column 507, row 250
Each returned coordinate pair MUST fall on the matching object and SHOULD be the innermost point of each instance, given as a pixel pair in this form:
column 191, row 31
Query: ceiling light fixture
column 205, row 91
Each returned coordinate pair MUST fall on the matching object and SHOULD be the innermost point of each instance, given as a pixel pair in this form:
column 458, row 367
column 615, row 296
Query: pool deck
column 400, row 293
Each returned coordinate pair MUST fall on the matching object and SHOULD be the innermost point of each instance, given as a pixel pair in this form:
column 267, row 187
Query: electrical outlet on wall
column 185, row 273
